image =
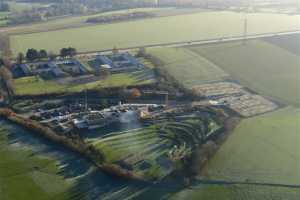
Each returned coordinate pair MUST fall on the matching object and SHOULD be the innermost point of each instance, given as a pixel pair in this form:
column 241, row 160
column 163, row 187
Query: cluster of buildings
column 114, row 63
column 51, row 69
column 236, row 98
column 94, row 119
column 79, row 116
column 118, row 62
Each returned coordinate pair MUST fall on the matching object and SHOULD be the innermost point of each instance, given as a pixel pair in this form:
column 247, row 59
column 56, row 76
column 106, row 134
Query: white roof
column 106, row 66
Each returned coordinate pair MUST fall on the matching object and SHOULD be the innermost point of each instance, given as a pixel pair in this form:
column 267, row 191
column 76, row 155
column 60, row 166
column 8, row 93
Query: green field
column 288, row 42
column 187, row 67
column 261, row 66
column 261, row 149
column 35, row 86
column 24, row 175
column 76, row 21
column 147, row 150
column 237, row 192
column 135, row 148
column 195, row 26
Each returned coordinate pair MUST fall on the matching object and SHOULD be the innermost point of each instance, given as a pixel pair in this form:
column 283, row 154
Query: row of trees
column 34, row 54
column 6, row 79
column 68, row 52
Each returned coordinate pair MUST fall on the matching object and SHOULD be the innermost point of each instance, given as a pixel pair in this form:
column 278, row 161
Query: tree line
column 6, row 79
column 37, row 55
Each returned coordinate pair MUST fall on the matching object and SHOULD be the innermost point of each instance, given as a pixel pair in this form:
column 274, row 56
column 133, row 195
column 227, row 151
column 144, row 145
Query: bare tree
column 7, row 81
column 20, row 58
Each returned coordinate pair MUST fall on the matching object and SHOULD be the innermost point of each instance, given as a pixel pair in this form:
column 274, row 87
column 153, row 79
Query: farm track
column 224, row 182
column 195, row 185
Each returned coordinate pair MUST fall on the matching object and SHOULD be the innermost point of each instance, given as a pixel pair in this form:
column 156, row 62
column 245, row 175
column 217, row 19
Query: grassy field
column 34, row 86
column 24, row 175
column 261, row 66
column 146, row 150
column 137, row 148
column 195, row 26
column 76, row 21
column 288, row 42
column 262, row 149
column 237, row 192
column 188, row 67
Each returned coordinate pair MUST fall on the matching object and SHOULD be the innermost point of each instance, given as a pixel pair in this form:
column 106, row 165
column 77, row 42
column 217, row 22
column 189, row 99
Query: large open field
column 195, row 26
column 24, row 175
column 288, row 42
column 237, row 192
column 187, row 67
column 261, row 149
column 266, row 68
column 80, row 21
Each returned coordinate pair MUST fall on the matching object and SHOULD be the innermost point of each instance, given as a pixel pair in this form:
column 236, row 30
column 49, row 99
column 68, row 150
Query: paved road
column 195, row 42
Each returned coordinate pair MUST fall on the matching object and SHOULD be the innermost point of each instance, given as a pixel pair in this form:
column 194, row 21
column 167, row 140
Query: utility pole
column 245, row 35
column 167, row 100
column 86, row 104
column 157, row 3
column 245, row 29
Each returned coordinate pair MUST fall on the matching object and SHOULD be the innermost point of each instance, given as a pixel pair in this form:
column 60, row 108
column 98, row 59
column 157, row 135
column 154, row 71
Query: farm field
column 261, row 149
column 32, row 176
column 35, row 86
column 288, row 42
column 139, row 149
column 38, row 170
column 239, row 192
column 157, row 30
column 107, row 187
column 187, row 67
column 78, row 21
column 259, row 65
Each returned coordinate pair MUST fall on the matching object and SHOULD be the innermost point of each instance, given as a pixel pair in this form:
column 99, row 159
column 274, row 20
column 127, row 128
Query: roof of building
column 106, row 66
column 25, row 68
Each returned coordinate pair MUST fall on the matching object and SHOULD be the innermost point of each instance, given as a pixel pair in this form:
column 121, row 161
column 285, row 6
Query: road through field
column 196, row 42
column 171, row 29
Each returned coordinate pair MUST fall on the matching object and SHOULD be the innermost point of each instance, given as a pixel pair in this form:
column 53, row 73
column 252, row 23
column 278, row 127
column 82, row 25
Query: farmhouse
column 52, row 69
column 20, row 70
column 48, row 69
column 118, row 62
column 72, row 67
